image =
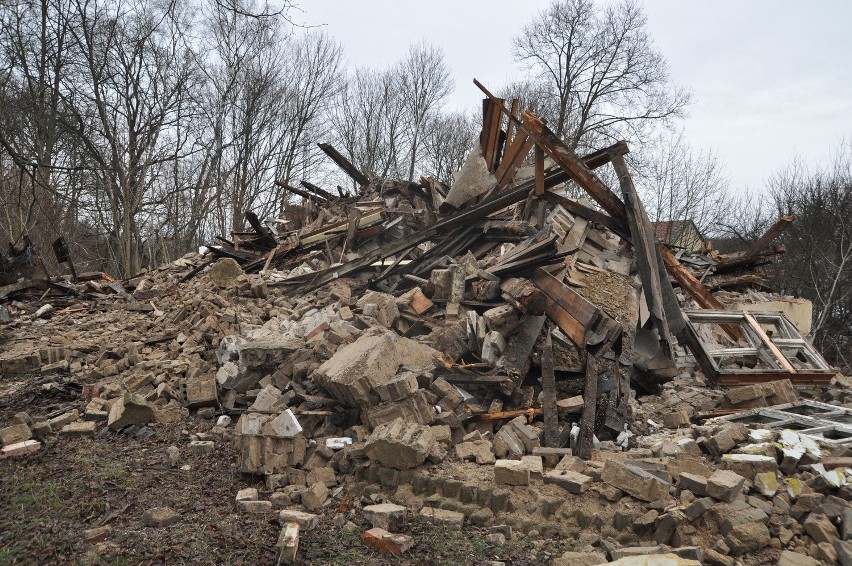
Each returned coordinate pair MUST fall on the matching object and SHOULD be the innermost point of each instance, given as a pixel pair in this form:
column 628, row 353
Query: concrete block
column 399, row 445
column 635, row 481
column 288, row 544
column 724, row 485
column 511, row 472
column 695, row 483
column 79, row 428
column 749, row 465
column 387, row 516
column 306, row 521
column 573, row 482
column 444, row 517
column 255, row 507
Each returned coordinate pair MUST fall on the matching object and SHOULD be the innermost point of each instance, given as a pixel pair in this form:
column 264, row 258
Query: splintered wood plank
column 513, row 158
column 420, row 302
column 590, row 398
column 548, row 387
column 589, row 214
column 489, row 140
column 569, row 310
column 539, row 171
column 510, row 127
column 516, row 357
column 768, row 342
column 777, row 227
column 578, row 170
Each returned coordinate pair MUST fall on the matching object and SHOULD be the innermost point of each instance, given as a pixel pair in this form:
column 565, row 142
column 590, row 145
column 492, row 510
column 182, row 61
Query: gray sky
column 771, row 79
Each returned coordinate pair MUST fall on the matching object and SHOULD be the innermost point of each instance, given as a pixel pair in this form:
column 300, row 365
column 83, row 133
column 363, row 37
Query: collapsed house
column 495, row 322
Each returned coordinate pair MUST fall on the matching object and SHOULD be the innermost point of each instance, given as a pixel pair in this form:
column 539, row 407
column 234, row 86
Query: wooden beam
column 590, row 399
column 575, row 167
column 646, row 258
column 539, row 171
column 689, row 283
column 565, row 158
column 344, row 164
column 548, row 388
column 318, row 190
column 774, row 231
column 489, row 140
column 298, row 191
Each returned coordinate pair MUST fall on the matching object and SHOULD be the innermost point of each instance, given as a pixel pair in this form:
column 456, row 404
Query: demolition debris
column 460, row 347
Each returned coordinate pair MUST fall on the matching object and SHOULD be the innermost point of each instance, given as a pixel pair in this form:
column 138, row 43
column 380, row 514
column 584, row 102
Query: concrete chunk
column 442, row 517
column 306, row 521
column 201, row 391
column 511, row 472
column 573, row 482
column 478, row 450
column 387, row 516
column 399, row 445
column 746, row 538
column 398, row 387
column 724, row 485
column 286, row 425
column 288, row 544
column 15, row 433
column 160, row 517
column 22, row 448
column 699, row 507
column 634, row 481
column 820, row 528
column 130, row 409
column 749, row 515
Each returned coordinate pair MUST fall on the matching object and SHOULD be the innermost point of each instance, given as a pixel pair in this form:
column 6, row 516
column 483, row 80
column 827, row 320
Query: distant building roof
column 679, row 233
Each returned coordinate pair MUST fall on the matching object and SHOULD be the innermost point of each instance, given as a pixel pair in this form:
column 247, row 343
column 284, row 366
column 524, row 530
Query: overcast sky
column 771, row 79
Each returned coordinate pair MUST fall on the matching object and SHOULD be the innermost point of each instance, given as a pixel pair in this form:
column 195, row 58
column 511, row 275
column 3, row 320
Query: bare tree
column 449, row 137
column 682, row 183
column 425, row 83
column 369, row 121
column 132, row 80
column 818, row 262
column 597, row 73
column 268, row 97
column 33, row 142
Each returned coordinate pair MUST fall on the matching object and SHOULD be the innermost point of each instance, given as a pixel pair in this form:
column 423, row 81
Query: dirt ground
column 47, row 501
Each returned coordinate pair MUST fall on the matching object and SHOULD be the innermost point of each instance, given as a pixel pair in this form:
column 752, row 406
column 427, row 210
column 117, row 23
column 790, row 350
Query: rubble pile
column 491, row 353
